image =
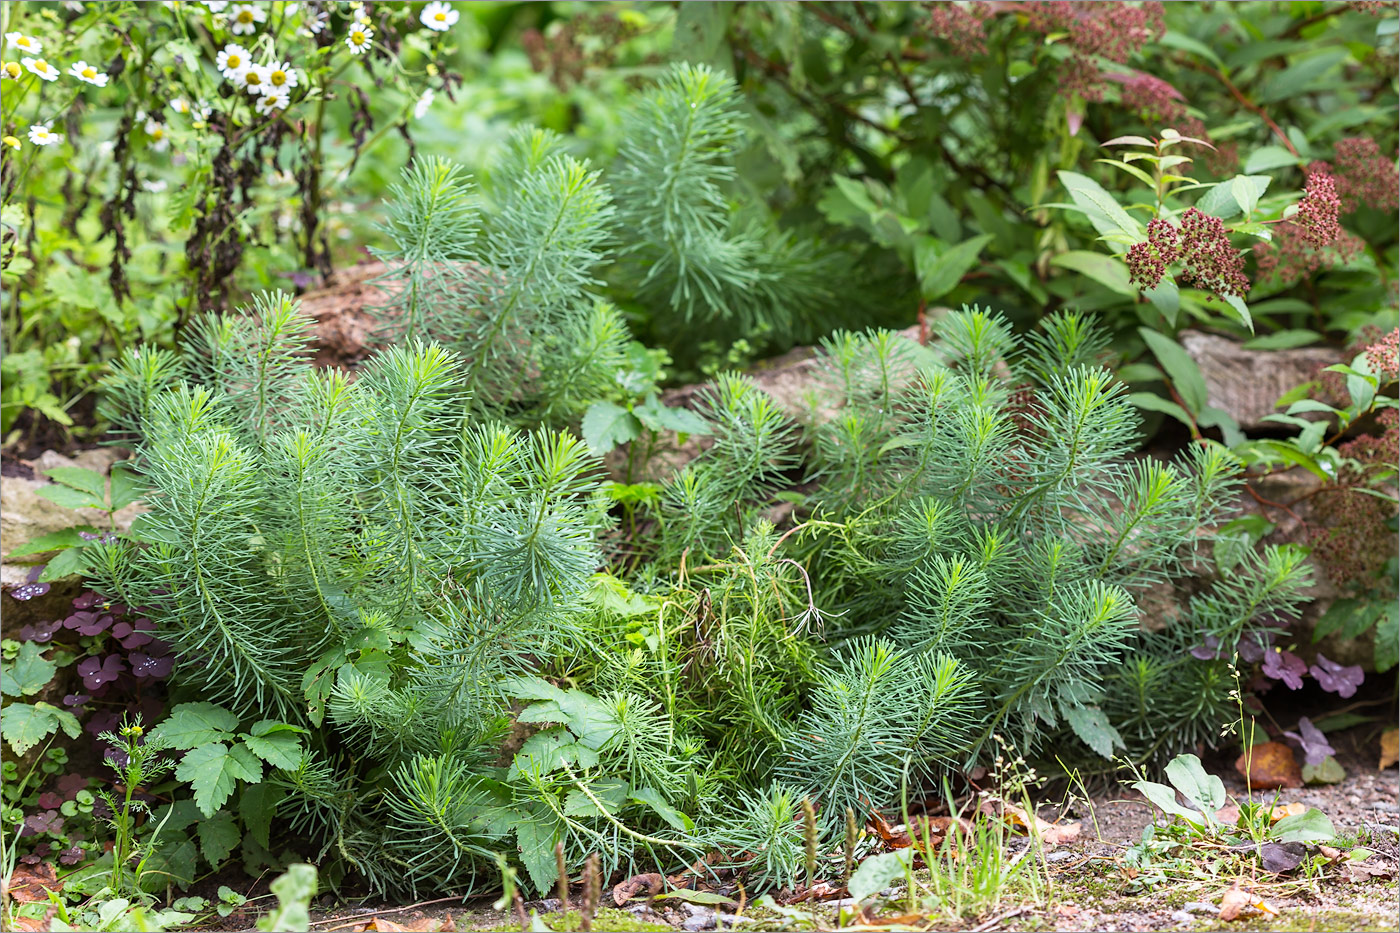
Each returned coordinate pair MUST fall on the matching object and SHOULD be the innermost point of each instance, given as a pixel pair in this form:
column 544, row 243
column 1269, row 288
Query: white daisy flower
column 39, row 135
column 160, row 140
column 10, row 142
column 244, row 19
column 279, row 77
column 180, row 105
column 85, row 72
column 11, row 70
column 18, row 40
column 439, row 17
column 316, row 24
column 232, row 60
column 359, row 39
column 273, row 100
column 41, row 68
column 425, row 101
column 252, row 78
column 216, row 6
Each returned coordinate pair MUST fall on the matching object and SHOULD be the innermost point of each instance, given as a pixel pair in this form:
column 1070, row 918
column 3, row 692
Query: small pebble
column 1060, row 856
column 697, row 923
column 1181, row 916
column 1200, row 907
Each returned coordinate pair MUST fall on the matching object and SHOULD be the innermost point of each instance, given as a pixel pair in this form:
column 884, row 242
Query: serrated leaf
column 127, row 487
column 1388, row 639
column 606, row 425
column 279, row 749
column 25, row 725
column 213, row 771
column 29, row 673
column 65, row 563
column 258, row 806
column 535, row 839
column 81, row 479
column 217, row 836
column 59, row 540
column 191, row 724
column 172, row 863
column 1093, row 728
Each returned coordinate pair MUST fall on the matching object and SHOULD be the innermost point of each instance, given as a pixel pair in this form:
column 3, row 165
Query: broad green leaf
column 1282, row 340
column 66, row 538
column 69, row 498
column 876, row 873
column 279, row 749
column 1153, row 402
column 611, row 793
column 1212, row 417
column 1301, row 76
column 29, row 673
column 606, row 425
column 217, row 836
column 1267, row 158
column 941, row 270
column 1175, row 40
column 1104, row 269
column 191, row 724
column 25, row 725
column 536, row 839
column 65, row 563
column 258, row 806
column 1204, row 790
column 1237, row 305
column 697, row 897
column 1305, row 405
column 1185, row 375
column 1093, row 728
column 126, row 487
column 172, row 863
column 673, row 817
column 81, row 479
column 1103, row 211
column 1312, row 825
column 213, row 771
column 1223, row 200
column 1164, row 798
column 1388, row 639
column 1166, row 298
column 655, row 416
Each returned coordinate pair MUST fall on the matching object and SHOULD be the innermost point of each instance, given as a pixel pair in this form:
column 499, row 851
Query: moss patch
column 605, row 919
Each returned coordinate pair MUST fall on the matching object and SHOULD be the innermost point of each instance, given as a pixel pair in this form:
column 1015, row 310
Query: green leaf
column 1226, row 199
column 1103, row 211
column 1267, row 158
column 1204, row 790
column 1153, row 402
column 1180, row 368
column 217, row 837
column 81, row 479
column 673, row 817
column 1237, row 305
column 172, row 862
column 191, row 724
column 1388, row 639
column 941, row 270
column 127, row 487
column 29, row 673
column 69, row 498
column 697, row 897
column 1093, row 728
column 294, row 890
column 1166, row 298
column 257, row 805
column 876, row 873
column 65, row 563
column 1106, row 270
column 280, row 749
column 59, row 540
column 1311, row 825
column 535, row 839
column 1283, row 339
column 25, row 725
column 612, row 794
column 606, row 425
column 1301, row 76
column 1164, row 798
column 655, row 416
column 214, row 770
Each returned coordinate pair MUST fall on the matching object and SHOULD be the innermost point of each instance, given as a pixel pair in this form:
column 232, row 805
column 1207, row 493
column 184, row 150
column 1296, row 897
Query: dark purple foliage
column 1310, row 740
column 87, row 601
column 40, row 632
column 88, row 623
column 1254, row 646
column 97, row 672
column 1209, row 651
column 71, row 856
column 70, row 784
column 146, row 667
column 50, row 801
column 76, row 699
column 1285, row 666
column 49, row 821
column 1336, row 678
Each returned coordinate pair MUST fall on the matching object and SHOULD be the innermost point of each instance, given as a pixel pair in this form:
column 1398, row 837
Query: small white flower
column 438, row 16
column 253, row 78
column 11, row 70
column 359, row 39
column 244, row 19
column 85, row 72
column 160, row 140
column 10, row 142
column 155, row 186
column 18, row 40
column 232, row 60
column 273, row 100
column 39, row 135
column 180, row 105
column 216, row 6
column 41, row 68
column 316, row 24
column 279, row 77
column 425, row 101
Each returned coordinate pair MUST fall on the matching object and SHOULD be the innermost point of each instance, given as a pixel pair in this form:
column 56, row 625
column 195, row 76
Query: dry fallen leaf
column 28, row 884
column 1390, row 748
column 893, row 836
column 1052, row 834
column 1269, row 765
column 1237, row 900
column 1359, row 872
column 428, row 925
column 1291, row 809
column 649, row 884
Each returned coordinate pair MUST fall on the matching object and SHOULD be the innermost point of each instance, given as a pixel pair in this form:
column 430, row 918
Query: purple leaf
column 47, row 822
column 1254, row 646
column 76, row 699
column 1285, row 666
column 87, row 600
column 27, row 591
column 1310, row 740
column 1336, row 678
column 1208, row 651
column 50, row 801
column 40, row 632
column 145, row 666
column 96, row 673
column 70, row 784
column 71, row 856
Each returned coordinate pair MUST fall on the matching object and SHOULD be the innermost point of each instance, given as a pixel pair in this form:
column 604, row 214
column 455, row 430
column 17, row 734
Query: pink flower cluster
column 1152, row 99
column 1364, row 176
column 1114, row 31
column 1201, row 245
column 1148, row 261
column 962, row 26
column 1316, row 218
column 1384, row 355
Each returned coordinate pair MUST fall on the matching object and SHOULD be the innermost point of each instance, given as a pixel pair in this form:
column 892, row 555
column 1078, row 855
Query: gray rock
column 1200, row 907
column 1247, row 383
column 701, row 918
column 1181, row 916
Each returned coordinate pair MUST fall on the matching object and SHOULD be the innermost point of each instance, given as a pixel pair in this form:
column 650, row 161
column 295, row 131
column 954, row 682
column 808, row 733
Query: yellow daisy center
column 440, row 16
column 234, row 61
column 357, row 37
column 277, row 78
column 245, row 16
column 252, row 77
column 12, row 69
column 40, row 65
column 89, row 72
